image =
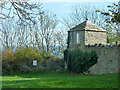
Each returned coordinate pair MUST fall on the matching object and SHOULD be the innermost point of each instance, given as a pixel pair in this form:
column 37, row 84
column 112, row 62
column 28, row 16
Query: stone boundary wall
column 108, row 58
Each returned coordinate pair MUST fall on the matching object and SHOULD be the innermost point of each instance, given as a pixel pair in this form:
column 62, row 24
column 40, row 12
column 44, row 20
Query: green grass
column 55, row 80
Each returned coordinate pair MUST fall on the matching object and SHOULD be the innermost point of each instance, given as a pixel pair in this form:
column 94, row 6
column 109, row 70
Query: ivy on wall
column 79, row 61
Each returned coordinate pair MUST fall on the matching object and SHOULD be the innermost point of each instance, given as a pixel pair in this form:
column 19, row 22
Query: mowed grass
column 62, row 80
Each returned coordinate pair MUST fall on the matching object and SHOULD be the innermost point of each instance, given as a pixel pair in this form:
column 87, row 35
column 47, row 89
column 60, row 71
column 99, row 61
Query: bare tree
column 22, row 34
column 31, row 27
column 59, row 42
column 23, row 9
column 47, row 23
column 15, row 17
column 81, row 13
column 8, row 33
column 14, row 35
column 47, row 37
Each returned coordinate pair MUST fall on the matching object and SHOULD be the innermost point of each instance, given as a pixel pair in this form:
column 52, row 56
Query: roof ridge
column 87, row 25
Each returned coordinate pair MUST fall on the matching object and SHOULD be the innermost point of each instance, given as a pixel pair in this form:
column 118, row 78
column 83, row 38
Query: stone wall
column 108, row 59
column 95, row 37
column 73, row 37
column 87, row 37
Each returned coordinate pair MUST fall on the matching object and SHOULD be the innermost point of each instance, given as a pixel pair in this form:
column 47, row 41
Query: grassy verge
column 62, row 80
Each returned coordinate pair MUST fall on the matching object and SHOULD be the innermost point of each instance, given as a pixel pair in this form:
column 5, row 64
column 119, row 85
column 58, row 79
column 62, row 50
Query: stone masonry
column 108, row 59
column 87, row 33
column 87, row 37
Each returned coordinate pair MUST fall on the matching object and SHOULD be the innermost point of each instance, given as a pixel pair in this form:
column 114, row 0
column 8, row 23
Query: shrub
column 80, row 62
column 28, row 54
column 8, row 55
column 21, row 60
column 46, row 55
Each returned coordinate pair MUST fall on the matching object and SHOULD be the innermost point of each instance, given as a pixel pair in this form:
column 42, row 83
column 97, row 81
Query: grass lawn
column 62, row 80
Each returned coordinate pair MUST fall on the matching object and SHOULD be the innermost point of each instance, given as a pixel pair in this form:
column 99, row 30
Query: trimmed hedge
column 79, row 61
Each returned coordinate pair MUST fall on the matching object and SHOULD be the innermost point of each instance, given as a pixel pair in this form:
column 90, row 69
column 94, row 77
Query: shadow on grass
column 52, row 80
column 37, row 83
column 14, row 83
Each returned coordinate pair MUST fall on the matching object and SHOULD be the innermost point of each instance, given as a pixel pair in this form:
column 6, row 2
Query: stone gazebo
column 86, row 33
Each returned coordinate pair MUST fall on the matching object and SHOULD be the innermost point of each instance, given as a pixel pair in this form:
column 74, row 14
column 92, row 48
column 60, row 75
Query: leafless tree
column 59, row 42
column 14, row 35
column 32, row 27
column 21, row 9
column 80, row 13
column 8, row 34
column 15, row 17
column 46, row 25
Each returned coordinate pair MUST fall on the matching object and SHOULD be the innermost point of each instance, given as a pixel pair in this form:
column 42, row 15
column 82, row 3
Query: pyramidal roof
column 87, row 26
